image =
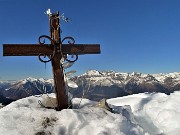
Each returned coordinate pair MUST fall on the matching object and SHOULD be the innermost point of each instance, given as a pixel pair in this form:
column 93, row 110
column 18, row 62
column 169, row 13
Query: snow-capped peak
column 31, row 79
column 92, row 72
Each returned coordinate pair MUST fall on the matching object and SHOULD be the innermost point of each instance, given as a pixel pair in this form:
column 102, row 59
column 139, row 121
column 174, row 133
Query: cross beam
column 36, row 49
column 55, row 51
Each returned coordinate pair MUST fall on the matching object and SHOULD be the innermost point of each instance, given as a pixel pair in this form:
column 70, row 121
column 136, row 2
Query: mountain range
column 110, row 84
column 94, row 85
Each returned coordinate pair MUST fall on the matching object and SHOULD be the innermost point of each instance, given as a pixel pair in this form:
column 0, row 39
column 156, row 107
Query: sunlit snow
column 139, row 114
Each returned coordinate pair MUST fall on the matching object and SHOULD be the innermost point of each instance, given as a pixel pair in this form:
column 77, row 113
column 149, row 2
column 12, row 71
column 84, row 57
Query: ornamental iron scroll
column 43, row 43
column 70, row 41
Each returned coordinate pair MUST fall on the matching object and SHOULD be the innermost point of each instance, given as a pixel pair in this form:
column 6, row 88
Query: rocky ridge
column 96, row 85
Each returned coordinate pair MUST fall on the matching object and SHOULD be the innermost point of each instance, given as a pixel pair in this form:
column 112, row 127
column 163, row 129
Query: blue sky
column 135, row 35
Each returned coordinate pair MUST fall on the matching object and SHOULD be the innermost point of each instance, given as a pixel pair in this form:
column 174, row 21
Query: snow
column 112, row 77
column 156, row 113
column 50, row 81
column 99, row 80
column 139, row 114
column 175, row 76
column 31, row 79
column 1, row 106
column 71, row 84
column 92, row 72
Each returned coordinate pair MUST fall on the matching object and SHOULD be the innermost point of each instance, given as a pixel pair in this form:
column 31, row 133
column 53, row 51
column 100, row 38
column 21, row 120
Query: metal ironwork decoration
column 43, row 43
column 71, row 41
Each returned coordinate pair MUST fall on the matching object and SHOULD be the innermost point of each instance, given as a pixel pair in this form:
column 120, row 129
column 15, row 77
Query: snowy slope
column 156, row 113
column 139, row 114
column 27, row 117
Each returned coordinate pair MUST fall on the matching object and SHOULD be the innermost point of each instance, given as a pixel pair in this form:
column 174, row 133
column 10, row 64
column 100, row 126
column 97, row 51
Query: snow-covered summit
column 139, row 114
column 175, row 76
column 92, row 73
column 31, row 79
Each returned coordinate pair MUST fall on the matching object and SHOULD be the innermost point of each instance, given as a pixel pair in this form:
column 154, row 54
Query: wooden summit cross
column 55, row 51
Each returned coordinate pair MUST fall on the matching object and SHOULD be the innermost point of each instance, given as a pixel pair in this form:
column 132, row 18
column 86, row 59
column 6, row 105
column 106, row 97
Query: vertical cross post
column 59, row 84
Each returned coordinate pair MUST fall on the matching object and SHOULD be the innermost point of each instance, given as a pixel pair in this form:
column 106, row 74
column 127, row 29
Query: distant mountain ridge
column 111, row 84
column 26, row 87
column 96, row 85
